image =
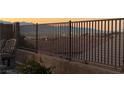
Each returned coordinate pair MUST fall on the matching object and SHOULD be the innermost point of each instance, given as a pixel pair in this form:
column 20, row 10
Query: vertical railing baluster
column 43, row 41
column 68, row 40
column 84, row 42
column 58, row 39
column 98, row 39
column 70, row 33
column 63, row 46
column 57, row 35
column 92, row 41
column 79, row 41
column 95, row 42
column 101, row 41
column 89, row 40
column 105, row 42
column 77, row 48
column 53, row 39
column 74, row 40
column 50, row 39
column 81, row 25
column 65, row 43
column 119, row 42
column 47, row 32
column 51, row 44
column 112, row 37
column 46, row 40
column 108, row 42
column 115, row 43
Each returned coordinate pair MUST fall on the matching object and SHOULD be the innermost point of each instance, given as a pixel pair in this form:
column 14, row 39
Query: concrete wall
column 63, row 66
column 6, row 31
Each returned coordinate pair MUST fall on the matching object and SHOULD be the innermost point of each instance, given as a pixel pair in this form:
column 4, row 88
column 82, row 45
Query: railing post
column 36, row 37
column 16, row 29
column 70, row 41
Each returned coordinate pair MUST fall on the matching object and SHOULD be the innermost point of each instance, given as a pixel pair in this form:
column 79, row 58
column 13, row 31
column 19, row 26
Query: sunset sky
column 43, row 20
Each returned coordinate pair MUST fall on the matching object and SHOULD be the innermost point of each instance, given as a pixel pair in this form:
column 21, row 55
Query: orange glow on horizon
column 44, row 20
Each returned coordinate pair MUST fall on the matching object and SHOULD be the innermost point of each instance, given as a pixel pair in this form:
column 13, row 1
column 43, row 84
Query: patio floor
column 7, row 70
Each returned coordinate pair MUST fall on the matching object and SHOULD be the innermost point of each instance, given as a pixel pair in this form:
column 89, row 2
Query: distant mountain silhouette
column 5, row 22
column 25, row 23
column 21, row 23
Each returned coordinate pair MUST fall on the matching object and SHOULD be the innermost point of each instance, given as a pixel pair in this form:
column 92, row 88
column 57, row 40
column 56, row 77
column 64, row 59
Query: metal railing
column 97, row 41
column 100, row 41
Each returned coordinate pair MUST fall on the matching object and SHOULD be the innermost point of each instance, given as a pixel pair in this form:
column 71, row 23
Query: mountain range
column 21, row 23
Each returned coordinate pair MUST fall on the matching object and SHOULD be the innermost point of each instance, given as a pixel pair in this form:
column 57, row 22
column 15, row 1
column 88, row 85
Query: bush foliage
column 31, row 66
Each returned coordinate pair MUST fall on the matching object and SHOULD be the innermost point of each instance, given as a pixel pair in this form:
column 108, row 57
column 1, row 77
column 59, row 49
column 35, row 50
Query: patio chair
column 8, row 52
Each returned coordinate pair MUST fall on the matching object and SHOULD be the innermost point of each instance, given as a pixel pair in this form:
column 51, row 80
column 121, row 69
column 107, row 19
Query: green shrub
column 32, row 66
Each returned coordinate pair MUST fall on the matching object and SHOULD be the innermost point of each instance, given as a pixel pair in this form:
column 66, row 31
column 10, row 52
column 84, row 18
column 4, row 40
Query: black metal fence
column 99, row 41
column 95, row 41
